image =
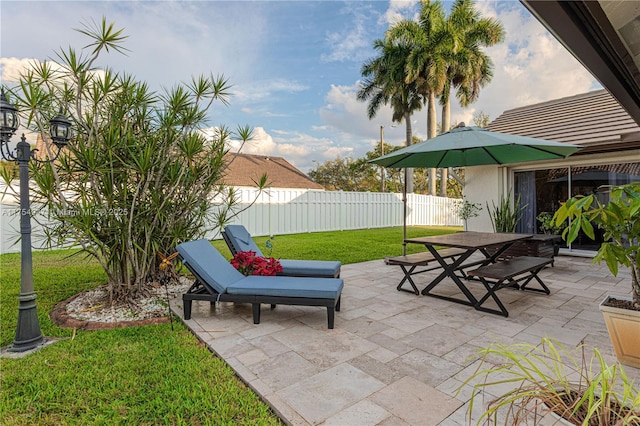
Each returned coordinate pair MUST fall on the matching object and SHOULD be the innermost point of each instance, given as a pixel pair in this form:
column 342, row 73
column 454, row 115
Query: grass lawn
column 142, row 375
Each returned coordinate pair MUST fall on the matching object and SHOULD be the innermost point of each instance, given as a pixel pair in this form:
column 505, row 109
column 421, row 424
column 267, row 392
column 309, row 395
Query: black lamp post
column 28, row 334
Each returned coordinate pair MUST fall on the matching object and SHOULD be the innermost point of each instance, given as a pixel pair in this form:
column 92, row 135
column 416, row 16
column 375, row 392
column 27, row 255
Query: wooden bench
column 415, row 260
column 504, row 273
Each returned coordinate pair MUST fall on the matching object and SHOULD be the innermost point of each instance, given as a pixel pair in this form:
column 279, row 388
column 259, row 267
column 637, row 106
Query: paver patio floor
column 395, row 358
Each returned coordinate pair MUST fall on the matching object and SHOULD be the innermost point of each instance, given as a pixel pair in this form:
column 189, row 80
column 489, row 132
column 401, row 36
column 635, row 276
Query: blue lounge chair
column 218, row 281
column 238, row 239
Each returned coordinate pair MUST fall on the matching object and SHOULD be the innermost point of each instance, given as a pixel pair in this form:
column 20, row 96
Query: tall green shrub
column 505, row 216
column 139, row 174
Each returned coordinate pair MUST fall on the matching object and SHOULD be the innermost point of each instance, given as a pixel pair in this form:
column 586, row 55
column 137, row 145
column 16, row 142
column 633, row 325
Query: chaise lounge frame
column 202, row 290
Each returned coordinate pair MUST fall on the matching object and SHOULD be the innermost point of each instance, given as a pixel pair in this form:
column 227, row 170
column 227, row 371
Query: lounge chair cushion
column 241, row 239
column 209, row 264
column 320, row 268
column 313, row 288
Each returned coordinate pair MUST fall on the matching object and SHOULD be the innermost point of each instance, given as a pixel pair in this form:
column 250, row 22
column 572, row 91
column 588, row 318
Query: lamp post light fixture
column 28, row 334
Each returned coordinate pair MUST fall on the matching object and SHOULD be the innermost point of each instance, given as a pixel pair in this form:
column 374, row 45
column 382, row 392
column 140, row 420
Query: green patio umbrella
column 474, row 146
column 471, row 146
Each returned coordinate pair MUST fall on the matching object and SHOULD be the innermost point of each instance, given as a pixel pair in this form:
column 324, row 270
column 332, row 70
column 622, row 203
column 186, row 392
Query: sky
column 294, row 66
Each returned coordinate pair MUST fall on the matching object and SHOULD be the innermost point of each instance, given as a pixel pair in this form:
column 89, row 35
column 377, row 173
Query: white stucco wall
column 482, row 185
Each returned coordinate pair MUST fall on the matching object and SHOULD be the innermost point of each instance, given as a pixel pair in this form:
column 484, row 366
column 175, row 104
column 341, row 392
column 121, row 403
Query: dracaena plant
column 139, row 176
column 619, row 218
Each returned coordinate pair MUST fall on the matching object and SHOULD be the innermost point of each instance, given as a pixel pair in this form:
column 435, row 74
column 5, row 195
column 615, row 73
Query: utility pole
column 381, row 154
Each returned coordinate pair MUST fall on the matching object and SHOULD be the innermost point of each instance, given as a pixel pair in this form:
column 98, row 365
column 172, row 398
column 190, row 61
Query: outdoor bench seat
column 238, row 239
column 504, row 273
column 415, row 260
column 218, row 281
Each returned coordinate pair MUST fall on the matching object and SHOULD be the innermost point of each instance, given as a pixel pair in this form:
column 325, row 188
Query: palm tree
column 468, row 67
column 385, row 83
column 426, row 65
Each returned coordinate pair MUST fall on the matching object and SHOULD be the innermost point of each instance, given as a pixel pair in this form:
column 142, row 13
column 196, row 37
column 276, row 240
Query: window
column 543, row 191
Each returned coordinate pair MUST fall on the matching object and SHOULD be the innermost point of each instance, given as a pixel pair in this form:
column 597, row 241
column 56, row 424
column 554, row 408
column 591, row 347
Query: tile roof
column 244, row 169
column 594, row 120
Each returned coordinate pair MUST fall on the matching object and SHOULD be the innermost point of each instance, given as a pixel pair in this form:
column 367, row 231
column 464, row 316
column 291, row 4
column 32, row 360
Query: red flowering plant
column 249, row 264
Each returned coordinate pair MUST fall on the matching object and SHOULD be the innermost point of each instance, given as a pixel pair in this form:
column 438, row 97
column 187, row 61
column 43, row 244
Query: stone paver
column 416, row 403
column 325, row 394
column 395, row 358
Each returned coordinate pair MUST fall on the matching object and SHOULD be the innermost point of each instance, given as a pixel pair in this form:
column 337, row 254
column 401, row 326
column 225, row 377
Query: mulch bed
column 61, row 318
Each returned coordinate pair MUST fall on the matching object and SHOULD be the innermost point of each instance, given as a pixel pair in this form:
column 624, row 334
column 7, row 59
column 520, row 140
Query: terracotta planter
column 624, row 330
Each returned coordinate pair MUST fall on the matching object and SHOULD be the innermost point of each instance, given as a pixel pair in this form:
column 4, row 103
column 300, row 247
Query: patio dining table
column 491, row 245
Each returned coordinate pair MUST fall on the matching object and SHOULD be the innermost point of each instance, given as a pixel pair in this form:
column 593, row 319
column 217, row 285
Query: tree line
column 349, row 174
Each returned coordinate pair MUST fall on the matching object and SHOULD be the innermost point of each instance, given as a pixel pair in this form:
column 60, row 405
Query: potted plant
column 467, row 210
column 548, row 225
column 550, row 381
column 549, row 228
column 619, row 219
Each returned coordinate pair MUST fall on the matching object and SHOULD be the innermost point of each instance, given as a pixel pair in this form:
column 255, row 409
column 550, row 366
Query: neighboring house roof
column 594, row 120
column 604, row 36
column 246, row 169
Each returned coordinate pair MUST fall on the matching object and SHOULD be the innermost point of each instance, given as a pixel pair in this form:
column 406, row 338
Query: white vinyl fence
column 285, row 211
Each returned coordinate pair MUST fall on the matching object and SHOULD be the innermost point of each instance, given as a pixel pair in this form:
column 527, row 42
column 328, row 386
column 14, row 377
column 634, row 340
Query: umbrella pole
column 404, row 214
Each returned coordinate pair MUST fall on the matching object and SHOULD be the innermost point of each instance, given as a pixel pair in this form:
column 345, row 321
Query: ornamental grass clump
column 548, row 379
column 248, row 263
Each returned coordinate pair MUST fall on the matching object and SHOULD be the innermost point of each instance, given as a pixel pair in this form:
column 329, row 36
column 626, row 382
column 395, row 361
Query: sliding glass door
column 542, row 191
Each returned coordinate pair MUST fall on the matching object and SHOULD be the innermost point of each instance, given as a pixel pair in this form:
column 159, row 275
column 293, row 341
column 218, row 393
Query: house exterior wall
column 486, row 184
column 482, row 184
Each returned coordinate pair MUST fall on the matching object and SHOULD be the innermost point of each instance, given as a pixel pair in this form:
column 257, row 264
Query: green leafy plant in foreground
column 619, row 218
column 549, row 378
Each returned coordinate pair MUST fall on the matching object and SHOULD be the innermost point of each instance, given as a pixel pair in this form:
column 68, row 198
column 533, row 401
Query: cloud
column 300, row 149
column 399, row 10
column 345, row 45
column 168, row 41
column 352, row 43
column 531, row 66
column 349, row 117
column 343, row 111
column 306, row 102
column 258, row 91
column 11, row 68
